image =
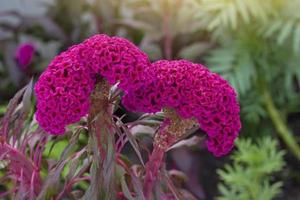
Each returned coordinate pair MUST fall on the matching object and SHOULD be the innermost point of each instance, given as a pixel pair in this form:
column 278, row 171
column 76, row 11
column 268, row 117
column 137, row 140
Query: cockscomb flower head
column 116, row 59
column 194, row 93
column 24, row 54
column 64, row 88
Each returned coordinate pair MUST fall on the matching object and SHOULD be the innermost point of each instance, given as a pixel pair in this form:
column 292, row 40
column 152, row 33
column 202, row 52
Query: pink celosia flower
column 64, row 88
column 24, row 54
column 194, row 92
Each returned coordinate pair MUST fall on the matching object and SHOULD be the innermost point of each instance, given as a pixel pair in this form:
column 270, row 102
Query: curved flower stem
column 280, row 125
column 172, row 130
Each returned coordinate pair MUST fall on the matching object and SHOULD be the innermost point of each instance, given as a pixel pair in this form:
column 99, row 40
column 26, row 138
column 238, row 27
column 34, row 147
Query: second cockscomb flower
column 194, row 93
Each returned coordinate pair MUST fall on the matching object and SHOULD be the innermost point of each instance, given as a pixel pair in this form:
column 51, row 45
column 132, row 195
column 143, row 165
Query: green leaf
column 296, row 43
column 285, row 32
column 249, row 176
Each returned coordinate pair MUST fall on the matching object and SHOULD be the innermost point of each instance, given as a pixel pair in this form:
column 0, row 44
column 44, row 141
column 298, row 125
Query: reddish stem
column 152, row 168
column 169, row 132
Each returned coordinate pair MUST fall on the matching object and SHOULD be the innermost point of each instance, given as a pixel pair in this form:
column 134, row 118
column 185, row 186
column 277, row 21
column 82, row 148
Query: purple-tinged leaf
column 27, row 97
column 51, row 182
column 32, row 194
column 72, row 170
column 170, row 184
column 190, row 142
column 158, row 193
column 137, row 186
column 132, row 140
column 73, row 141
column 122, row 140
column 125, row 188
column 37, row 159
column 22, row 114
column 22, row 170
column 70, row 179
column 13, row 103
column 142, row 129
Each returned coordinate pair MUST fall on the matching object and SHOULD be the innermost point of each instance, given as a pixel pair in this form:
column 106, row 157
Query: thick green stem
column 280, row 125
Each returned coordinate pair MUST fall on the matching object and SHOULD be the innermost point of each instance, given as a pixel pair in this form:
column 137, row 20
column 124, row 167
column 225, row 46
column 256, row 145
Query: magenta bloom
column 24, row 54
column 64, row 88
column 194, row 92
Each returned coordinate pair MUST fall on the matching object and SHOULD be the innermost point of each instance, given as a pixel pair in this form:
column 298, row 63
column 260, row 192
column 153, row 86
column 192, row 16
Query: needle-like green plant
column 250, row 174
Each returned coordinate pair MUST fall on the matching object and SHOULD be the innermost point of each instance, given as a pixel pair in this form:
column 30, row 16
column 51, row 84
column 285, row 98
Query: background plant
column 248, row 177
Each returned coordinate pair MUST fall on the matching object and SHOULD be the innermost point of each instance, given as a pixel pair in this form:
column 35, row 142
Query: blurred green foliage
column 249, row 177
column 260, row 61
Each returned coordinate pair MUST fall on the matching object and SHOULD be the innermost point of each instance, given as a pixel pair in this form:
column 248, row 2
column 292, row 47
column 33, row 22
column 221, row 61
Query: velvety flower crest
column 194, row 92
column 64, row 88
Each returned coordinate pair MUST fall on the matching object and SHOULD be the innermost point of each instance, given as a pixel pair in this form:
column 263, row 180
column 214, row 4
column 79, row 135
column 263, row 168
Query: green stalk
column 280, row 124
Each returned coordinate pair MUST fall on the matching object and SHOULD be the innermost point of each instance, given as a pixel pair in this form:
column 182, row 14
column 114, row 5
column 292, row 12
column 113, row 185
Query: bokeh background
column 253, row 44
